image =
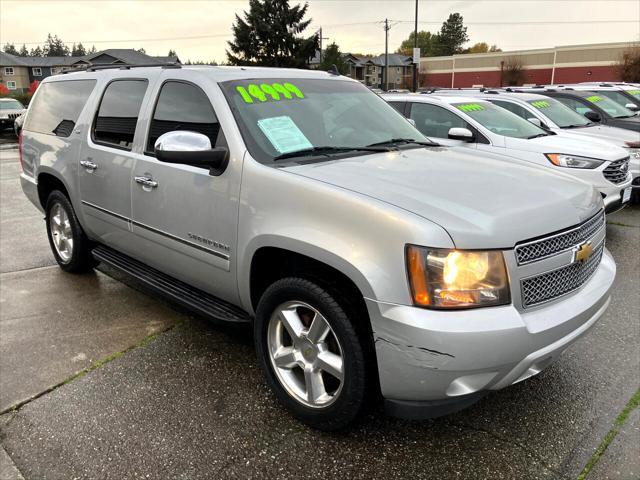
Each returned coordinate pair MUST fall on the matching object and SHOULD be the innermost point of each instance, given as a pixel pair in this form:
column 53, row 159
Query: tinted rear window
column 117, row 117
column 57, row 106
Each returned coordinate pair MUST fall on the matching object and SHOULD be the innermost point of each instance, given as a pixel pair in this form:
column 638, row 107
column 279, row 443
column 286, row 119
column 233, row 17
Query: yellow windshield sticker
column 634, row 92
column 470, row 107
column 541, row 104
column 254, row 93
column 594, row 98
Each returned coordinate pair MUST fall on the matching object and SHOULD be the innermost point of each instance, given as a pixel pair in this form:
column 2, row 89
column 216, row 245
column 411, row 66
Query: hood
column 481, row 200
column 614, row 135
column 570, row 144
column 632, row 123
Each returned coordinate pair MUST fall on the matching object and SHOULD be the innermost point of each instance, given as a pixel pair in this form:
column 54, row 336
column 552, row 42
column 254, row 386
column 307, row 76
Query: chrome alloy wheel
column 61, row 232
column 305, row 354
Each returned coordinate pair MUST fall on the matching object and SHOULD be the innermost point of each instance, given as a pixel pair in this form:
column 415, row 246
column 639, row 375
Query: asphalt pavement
column 101, row 379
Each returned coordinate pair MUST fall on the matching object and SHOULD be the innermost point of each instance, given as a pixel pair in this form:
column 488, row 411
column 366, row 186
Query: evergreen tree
column 270, row 35
column 142, row 50
column 453, row 35
column 78, row 50
column 55, row 47
column 10, row 48
column 36, row 52
column 93, row 50
column 333, row 56
column 23, row 51
column 172, row 53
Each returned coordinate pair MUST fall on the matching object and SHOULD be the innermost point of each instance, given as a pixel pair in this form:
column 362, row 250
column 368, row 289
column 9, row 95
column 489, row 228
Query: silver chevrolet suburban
column 371, row 262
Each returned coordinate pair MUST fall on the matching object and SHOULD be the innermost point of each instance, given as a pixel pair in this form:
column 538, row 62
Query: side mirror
column 191, row 148
column 463, row 134
column 632, row 106
column 536, row 121
column 411, row 121
column 593, row 116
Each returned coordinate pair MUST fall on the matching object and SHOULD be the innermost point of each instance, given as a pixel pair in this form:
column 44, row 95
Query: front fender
column 360, row 236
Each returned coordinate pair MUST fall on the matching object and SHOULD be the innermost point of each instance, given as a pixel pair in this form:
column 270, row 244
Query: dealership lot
column 181, row 398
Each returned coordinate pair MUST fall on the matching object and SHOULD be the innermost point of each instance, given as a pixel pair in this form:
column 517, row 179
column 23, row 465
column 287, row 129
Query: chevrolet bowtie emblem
column 582, row 252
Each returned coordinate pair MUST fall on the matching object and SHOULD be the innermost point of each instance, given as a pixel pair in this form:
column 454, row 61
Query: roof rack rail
column 93, row 68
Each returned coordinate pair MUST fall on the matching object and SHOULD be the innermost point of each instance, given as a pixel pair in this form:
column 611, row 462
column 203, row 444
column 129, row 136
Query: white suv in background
column 478, row 124
column 553, row 115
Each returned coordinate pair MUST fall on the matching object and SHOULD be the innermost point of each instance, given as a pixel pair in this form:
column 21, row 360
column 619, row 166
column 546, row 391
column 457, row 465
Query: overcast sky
column 198, row 30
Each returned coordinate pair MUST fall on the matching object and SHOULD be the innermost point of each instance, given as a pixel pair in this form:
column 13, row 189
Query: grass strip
column 631, row 405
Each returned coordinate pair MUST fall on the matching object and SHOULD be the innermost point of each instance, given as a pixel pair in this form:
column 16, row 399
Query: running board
column 180, row 292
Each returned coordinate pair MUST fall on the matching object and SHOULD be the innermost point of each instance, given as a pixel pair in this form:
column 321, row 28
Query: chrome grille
column 14, row 115
column 559, row 242
column 617, row 171
column 556, row 283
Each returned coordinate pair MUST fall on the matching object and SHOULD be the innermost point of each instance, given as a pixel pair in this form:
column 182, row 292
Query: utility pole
column 415, row 45
column 320, row 38
column 386, row 55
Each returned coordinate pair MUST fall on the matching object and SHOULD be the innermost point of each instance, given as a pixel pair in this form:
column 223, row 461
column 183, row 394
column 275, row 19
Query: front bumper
column 443, row 361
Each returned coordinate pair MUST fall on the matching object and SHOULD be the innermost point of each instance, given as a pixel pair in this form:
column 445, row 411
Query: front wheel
column 311, row 354
column 69, row 244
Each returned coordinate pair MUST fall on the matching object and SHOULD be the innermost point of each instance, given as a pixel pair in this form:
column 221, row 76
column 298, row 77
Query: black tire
column 80, row 260
column 350, row 400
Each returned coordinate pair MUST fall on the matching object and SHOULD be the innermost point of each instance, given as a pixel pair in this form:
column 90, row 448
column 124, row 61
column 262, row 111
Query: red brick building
column 567, row 64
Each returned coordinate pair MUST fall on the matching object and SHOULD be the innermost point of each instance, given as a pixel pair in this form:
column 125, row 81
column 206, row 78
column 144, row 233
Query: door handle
column 88, row 164
column 146, row 181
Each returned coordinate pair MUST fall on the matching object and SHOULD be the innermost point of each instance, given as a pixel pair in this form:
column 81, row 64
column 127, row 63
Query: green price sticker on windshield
column 633, row 92
column 259, row 93
column 541, row 104
column 594, row 98
column 470, row 107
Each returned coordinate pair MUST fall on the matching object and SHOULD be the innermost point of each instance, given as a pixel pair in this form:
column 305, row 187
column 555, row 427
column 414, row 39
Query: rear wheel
column 70, row 245
column 311, row 354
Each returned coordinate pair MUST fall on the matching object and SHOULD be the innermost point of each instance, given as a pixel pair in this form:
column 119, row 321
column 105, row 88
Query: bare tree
column 513, row 72
column 629, row 65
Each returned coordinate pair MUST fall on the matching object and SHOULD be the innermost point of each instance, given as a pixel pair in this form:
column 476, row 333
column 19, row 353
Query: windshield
column 618, row 97
column 278, row 117
column 634, row 93
column 10, row 105
column 559, row 113
column 612, row 108
column 500, row 121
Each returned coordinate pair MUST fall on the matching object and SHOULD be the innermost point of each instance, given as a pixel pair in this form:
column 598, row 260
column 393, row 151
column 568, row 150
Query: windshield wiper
column 328, row 150
column 578, row 125
column 395, row 141
column 538, row 136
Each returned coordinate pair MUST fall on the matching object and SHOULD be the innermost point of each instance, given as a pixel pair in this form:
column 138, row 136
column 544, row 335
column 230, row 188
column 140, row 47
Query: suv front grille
column 551, row 245
column 616, row 172
column 13, row 115
column 556, row 283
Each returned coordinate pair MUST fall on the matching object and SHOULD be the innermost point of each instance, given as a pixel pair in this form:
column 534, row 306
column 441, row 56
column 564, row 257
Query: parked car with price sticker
column 371, row 262
column 595, row 107
column 550, row 114
column 477, row 124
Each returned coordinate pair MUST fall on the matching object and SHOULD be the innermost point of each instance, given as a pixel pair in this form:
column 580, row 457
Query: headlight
column 443, row 278
column 573, row 161
column 634, row 153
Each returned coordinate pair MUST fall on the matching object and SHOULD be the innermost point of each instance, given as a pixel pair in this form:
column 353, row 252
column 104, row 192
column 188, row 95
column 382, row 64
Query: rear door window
column 115, row 123
column 576, row 105
column 514, row 108
column 57, row 106
column 183, row 106
column 434, row 121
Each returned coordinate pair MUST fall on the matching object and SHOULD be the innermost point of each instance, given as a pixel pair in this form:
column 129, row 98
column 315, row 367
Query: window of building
column 37, row 71
column 8, row 70
column 398, row 70
column 55, row 70
column 57, row 106
column 115, row 123
column 11, row 85
column 182, row 106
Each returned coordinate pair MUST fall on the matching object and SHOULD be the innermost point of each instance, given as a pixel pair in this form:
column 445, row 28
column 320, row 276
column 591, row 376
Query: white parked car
column 475, row 123
column 553, row 115
column 10, row 109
